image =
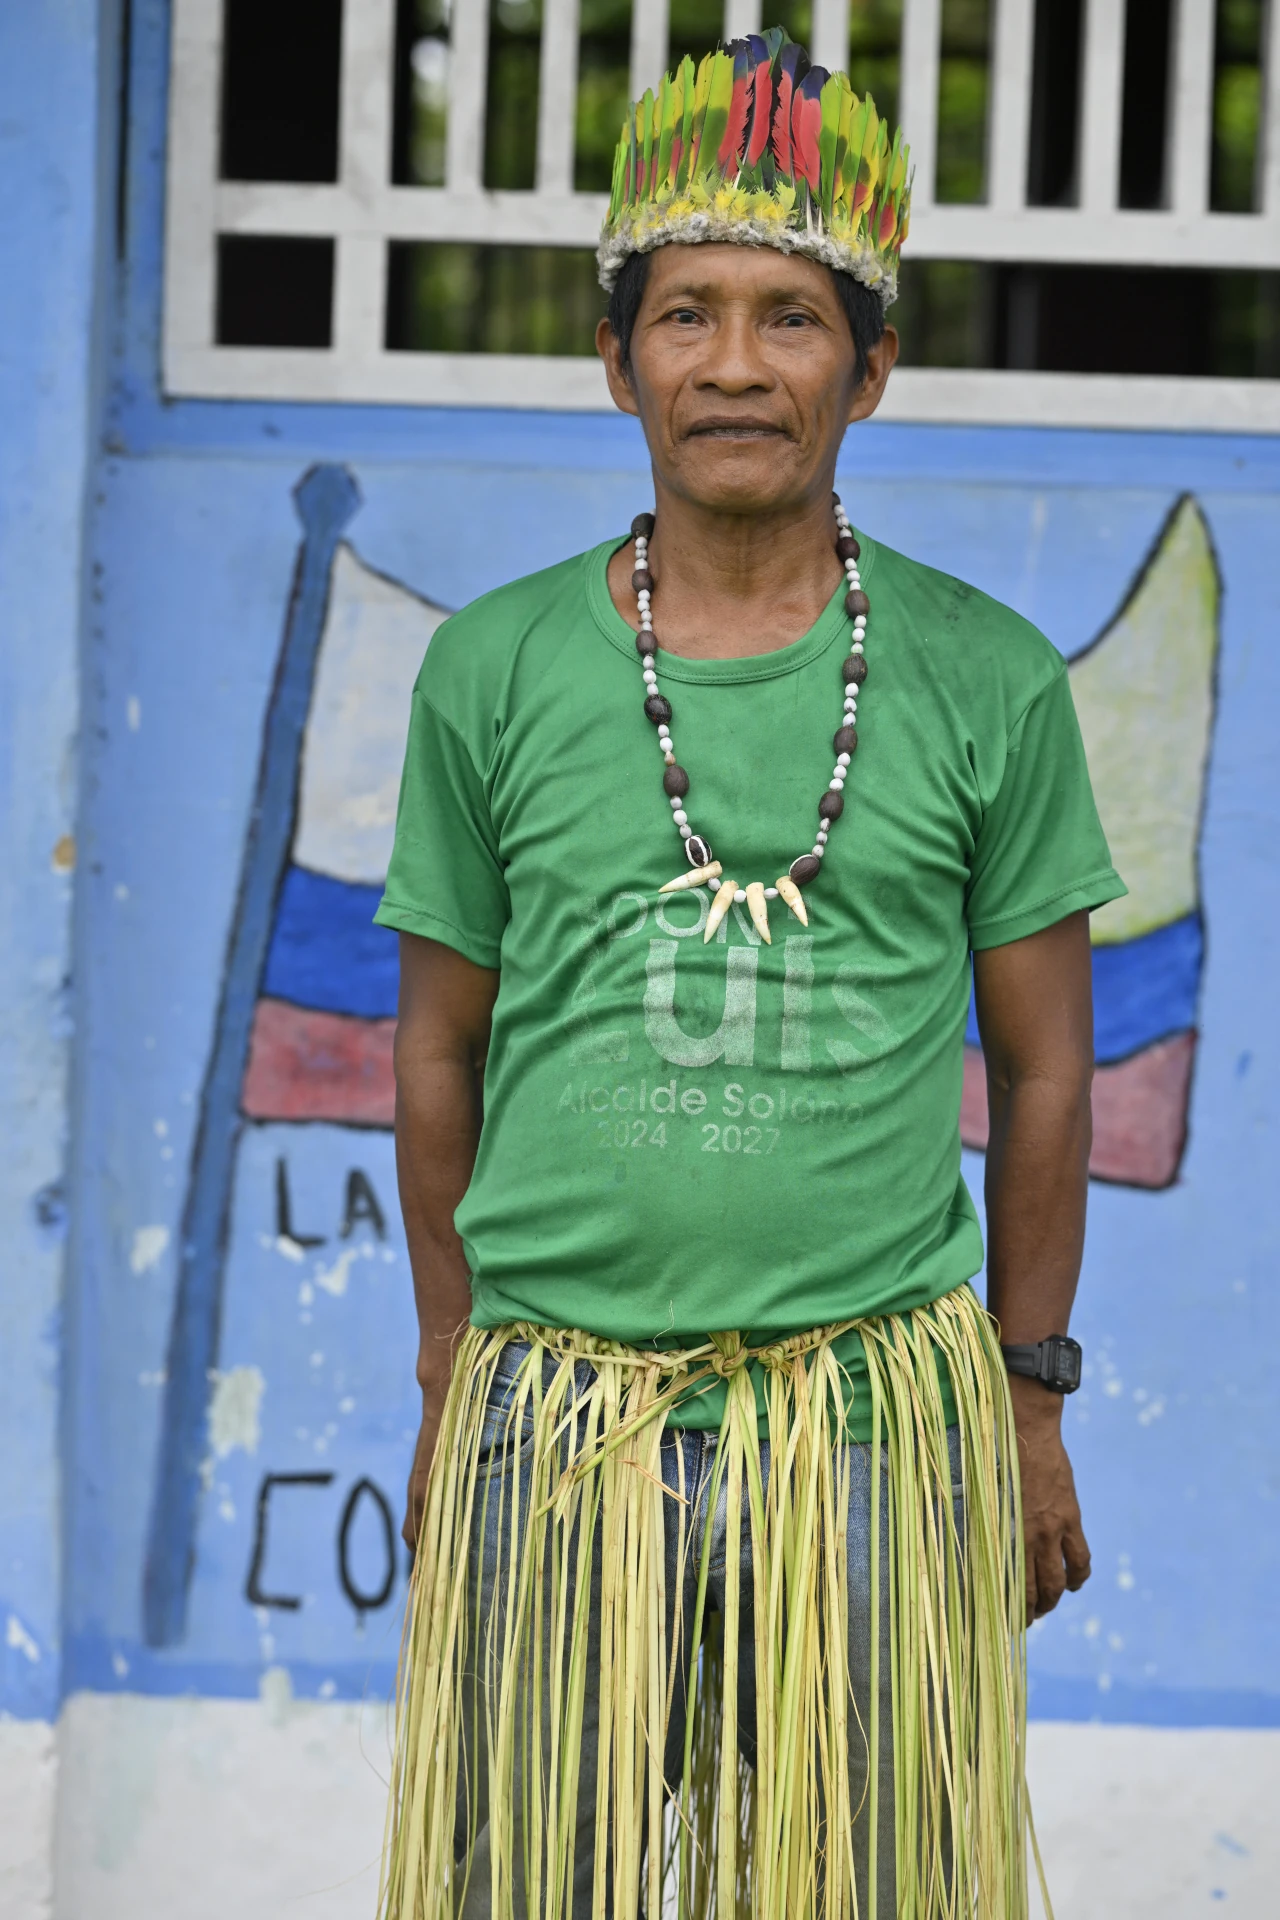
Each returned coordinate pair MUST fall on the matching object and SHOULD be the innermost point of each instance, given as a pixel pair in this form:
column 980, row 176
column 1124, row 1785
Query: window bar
column 1191, row 119
column 191, row 199
column 650, row 27
column 1102, row 74
column 830, row 34
column 1010, row 103
column 1269, row 143
column 918, row 93
column 364, row 169
column 557, row 96
column 741, row 16
column 468, row 73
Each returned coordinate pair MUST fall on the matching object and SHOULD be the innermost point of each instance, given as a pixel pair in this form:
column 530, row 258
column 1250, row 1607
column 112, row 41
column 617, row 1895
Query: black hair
column 862, row 308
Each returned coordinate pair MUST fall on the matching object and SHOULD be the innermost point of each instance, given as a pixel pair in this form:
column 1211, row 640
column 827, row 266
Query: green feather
column 666, row 117
column 619, row 174
column 644, row 117
column 830, row 102
column 719, row 100
column 688, row 89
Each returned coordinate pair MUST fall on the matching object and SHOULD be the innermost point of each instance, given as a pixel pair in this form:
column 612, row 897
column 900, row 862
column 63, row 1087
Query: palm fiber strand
column 490, row 1710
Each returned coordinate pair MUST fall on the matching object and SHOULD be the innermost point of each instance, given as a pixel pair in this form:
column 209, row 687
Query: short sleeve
column 445, row 880
column 1041, row 853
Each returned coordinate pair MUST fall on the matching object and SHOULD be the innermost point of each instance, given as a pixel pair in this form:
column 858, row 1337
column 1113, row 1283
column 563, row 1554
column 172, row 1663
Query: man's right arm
column 442, row 1038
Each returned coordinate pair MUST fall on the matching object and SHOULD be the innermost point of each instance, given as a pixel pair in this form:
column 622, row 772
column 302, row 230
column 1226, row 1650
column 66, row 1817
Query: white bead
column 860, row 623
column 836, row 785
column 819, row 849
column 675, row 801
column 680, row 817
column 771, row 893
column 857, row 647
column 686, row 833
column 740, row 895
column 843, row 759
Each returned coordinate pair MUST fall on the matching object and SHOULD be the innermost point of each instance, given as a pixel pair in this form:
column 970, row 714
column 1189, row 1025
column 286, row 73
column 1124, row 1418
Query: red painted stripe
column 1139, row 1112
column 305, row 1065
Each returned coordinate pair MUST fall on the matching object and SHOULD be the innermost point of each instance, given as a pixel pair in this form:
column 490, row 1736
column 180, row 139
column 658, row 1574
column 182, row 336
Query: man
column 720, row 1583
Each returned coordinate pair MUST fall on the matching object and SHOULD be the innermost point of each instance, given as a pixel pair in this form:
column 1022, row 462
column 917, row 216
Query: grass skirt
column 722, row 1841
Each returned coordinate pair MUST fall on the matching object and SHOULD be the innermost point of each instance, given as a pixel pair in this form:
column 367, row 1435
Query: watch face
column 1066, row 1364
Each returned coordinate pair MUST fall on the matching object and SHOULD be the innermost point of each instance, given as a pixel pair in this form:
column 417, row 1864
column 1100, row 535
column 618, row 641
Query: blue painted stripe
column 94, row 1662
column 326, row 952
column 1143, row 990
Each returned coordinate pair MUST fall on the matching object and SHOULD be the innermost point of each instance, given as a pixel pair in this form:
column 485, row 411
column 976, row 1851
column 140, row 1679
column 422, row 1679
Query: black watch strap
column 1055, row 1362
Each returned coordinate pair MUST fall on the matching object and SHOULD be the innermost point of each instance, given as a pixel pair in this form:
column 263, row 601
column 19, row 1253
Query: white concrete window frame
column 362, row 212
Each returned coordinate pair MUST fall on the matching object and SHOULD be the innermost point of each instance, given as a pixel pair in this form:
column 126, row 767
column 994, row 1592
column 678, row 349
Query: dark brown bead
column 675, row 782
column 805, row 869
column 698, row 851
column 847, row 548
column 642, row 581
column 831, row 805
column 647, row 641
column 658, row 709
column 856, row 602
column 643, row 525
column 846, row 740
column 854, row 670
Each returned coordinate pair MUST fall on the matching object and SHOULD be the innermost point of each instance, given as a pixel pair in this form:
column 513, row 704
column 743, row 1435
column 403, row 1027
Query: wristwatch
column 1054, row 1362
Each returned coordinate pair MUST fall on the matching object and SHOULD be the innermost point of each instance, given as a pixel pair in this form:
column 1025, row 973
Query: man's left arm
column 1035, row 1016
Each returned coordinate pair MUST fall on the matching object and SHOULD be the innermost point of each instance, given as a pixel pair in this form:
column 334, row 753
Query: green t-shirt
column 682, row 1137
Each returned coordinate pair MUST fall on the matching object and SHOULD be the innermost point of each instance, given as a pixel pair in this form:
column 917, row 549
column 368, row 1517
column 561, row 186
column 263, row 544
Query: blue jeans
column 688, row 1462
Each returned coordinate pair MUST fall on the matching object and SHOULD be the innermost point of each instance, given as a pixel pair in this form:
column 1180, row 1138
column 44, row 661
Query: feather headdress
column 759, row 148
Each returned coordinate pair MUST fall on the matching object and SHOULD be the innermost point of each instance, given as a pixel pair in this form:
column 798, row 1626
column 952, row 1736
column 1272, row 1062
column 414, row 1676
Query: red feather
column 731, row 146
column 806, row 126
column 792, row 64
column 888, row 221
column 761, row 112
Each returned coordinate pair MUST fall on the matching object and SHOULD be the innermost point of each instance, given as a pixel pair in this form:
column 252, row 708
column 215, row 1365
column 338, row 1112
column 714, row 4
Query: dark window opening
column 274, row 292
column 963, row 89
column 511, row 108
column 420, row 119
column 1144, row 135
column 280, row 67
column 604, row 90
column 875, row 41
column 1058, row 319
column 1237, row 106
column 447, row 297
column 1052, row 158
column 695, row 26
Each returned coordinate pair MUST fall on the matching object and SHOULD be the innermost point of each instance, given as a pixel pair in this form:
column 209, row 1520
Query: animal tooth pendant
column 696, row 877
column 790, row 892
column 719, row 907
column 758, row 908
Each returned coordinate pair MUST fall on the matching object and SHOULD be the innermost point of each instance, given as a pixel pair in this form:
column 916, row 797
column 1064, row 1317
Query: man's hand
column 1057, row 1551
column 423, row 1455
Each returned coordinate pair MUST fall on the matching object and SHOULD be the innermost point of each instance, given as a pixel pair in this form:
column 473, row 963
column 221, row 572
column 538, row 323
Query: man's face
column 742, row 374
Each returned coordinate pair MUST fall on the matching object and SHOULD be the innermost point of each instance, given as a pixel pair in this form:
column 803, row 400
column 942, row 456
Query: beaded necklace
column 705, row 869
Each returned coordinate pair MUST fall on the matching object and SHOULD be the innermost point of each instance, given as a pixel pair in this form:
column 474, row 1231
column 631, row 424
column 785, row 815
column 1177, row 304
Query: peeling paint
column 17, row 1637
column 234, row 1410
column 149, row 1247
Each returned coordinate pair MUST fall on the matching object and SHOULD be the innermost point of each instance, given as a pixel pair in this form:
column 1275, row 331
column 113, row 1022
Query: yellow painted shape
column 1144, row 695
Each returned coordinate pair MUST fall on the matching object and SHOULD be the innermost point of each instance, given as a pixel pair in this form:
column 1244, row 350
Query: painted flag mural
column 1144, row 692
column 304, row 1027
column 323, row 1027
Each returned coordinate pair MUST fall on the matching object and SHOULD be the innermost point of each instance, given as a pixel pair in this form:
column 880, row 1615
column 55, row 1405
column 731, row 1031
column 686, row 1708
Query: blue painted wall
column 48, row 130
column 194, row 539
